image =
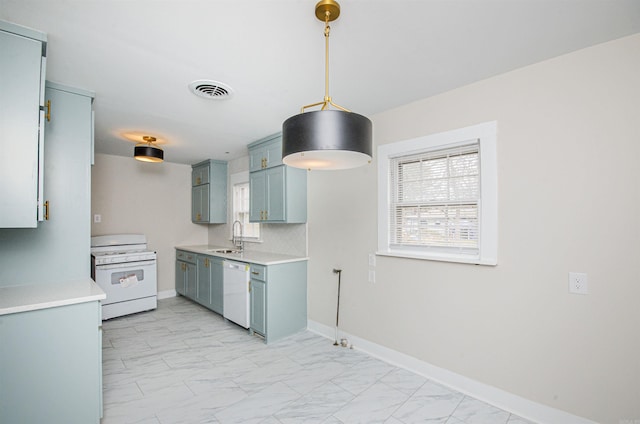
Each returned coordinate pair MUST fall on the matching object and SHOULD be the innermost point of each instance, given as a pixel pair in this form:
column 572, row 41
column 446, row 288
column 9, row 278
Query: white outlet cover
column 578, row 283
column 372, row 259
column 372, row 276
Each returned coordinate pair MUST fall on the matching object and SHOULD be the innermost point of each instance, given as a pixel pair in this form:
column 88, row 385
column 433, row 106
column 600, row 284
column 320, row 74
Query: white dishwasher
column 236, row 279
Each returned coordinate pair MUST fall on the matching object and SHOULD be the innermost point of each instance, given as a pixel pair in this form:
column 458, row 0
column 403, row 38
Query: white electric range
column 126, row 270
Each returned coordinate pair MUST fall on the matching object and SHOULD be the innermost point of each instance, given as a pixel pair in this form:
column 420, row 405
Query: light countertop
column 260, row 258
column 41, row 296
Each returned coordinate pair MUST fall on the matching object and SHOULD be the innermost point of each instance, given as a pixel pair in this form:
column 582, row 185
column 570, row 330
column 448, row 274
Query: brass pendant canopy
column 325, row 6
column 327, row 139
column 147, row 152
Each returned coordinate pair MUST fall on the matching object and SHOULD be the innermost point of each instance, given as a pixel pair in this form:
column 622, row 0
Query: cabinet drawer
column 258, row 272
column 186, row 256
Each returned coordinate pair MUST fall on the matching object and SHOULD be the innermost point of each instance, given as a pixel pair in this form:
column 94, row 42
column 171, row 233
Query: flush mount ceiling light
column 326, row 139
column 147, row 152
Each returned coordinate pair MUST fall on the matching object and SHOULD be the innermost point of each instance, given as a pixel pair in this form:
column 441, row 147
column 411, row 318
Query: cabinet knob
column 46, row 210
column 198, row 180
column 48, row 115
column 198, row 217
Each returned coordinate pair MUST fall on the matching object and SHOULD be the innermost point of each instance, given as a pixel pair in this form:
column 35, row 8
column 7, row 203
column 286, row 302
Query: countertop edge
column 276, row 258
column 25, row 298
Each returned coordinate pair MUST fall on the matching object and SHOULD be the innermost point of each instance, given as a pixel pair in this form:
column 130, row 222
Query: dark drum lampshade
column 326, row 139
column 147, row 152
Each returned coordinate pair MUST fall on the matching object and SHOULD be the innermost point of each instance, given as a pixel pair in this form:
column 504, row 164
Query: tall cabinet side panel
column 61, row 245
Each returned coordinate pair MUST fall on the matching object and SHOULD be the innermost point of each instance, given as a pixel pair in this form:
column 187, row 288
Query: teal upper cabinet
column 209, row 192
column 265, row 153
column 22, row 116
column 278, row 193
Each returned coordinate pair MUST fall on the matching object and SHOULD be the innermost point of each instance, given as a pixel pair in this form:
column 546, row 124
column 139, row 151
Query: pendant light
column 147, row 152
column 326, row 139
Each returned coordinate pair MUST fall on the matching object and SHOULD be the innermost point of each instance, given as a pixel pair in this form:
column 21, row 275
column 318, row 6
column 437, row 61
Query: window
column 240, row 206
column 438, row 196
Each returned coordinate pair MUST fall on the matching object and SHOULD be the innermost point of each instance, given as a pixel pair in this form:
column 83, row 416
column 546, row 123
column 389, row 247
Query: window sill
column 441, row 257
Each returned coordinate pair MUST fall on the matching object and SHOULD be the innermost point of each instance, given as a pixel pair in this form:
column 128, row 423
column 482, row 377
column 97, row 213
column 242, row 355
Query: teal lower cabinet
column 186, row 283
column 217, row 300
column 203, row 292
column 209, row 292
column 278, row 299
column 258, row 304
column 51, row 365
column 199, row 277
column 278, row 292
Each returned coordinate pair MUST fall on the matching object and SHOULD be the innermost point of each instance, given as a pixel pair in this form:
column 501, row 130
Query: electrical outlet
column 372, row 276
column 578, row 283
column 97, row 218
column 372, row 259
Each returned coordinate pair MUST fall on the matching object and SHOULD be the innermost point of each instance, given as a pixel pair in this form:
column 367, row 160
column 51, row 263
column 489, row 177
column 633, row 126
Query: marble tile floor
column 184, row 364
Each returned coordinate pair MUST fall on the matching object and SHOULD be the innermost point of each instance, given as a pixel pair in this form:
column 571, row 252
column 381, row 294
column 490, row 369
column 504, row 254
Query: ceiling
column 140, row 56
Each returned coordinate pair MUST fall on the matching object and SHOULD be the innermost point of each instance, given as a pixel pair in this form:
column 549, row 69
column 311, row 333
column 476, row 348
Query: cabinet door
column 257, row 196
column 276, row 194
column 217, row 289
column 258, row 307
column 200, row 203
column 191, row 281
column 181, row 277
column 266, row 155
column 256, row 158
column 273, row 152
column 200, row 175
column 203, row 291
column 21, row 82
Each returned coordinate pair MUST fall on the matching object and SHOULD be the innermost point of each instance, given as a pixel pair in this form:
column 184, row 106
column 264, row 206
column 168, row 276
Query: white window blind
column 434, row 199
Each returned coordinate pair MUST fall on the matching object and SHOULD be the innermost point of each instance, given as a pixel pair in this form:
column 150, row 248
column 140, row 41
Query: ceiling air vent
column 210, row 89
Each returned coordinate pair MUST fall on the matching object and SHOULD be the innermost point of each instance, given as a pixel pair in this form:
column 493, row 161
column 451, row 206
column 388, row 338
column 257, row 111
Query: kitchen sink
column 227, row 251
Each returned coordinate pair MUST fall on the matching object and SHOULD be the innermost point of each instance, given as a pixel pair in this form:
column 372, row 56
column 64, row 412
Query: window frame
column 235, row 179
column 486, row 136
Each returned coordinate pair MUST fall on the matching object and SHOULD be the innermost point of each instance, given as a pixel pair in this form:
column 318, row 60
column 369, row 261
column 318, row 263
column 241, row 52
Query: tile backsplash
column 287, row 239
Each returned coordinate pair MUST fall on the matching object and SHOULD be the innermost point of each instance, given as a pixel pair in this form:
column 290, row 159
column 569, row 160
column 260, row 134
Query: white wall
column 568, row 148
column 152, row 199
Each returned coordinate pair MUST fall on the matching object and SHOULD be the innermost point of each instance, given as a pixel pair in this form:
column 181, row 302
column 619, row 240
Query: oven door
column 127, row 281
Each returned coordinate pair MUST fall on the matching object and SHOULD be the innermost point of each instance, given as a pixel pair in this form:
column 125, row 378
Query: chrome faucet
column 237, row 242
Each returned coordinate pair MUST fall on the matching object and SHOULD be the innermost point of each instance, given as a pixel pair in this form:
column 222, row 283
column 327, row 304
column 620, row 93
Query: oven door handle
column 125, row 265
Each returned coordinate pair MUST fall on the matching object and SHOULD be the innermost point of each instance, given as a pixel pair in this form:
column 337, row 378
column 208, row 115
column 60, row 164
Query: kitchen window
column 240, row 206
column 438, row 196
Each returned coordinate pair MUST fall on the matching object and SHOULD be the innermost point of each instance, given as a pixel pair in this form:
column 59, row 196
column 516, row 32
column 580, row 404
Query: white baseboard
column 165, row 294
column 520, row 406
